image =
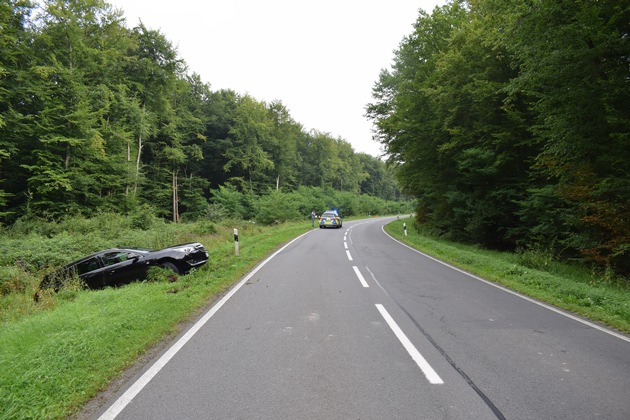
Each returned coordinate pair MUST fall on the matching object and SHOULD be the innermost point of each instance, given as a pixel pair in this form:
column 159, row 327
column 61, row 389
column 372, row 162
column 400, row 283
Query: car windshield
column 329, row 214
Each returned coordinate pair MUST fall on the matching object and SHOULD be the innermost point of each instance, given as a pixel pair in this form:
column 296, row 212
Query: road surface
column 350, row 324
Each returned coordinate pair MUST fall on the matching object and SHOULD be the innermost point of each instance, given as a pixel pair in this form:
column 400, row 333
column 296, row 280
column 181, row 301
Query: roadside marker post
column 236, row 251
column 405, row 228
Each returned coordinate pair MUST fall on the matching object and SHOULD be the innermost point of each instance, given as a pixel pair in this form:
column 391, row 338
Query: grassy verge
column 56, row 355
column 579, row 290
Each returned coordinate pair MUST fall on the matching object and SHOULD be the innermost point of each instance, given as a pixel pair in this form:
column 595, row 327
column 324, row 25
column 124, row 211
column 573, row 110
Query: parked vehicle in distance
column 118, row 266
column 330, row 218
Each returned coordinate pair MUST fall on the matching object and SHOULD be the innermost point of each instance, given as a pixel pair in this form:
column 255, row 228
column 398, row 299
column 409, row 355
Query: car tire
column 170, row 266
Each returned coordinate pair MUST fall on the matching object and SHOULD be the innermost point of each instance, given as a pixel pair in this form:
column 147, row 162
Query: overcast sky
column 319, row 58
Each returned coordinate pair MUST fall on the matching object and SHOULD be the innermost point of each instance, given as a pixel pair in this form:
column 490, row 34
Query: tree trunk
column 175, row 198
column 140, row 145
column 135, row 183
column 128, row 167
column 251, row 181
column 67, row 160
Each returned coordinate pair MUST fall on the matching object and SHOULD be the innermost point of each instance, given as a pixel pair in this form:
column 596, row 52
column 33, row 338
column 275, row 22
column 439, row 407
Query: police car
column 330, row 218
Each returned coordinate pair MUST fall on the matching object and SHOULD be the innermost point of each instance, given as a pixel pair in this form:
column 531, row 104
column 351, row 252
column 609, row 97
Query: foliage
column 233, row 202
column 14, row 280
column 276, row 207
column 32, row 247
column 97, row 117
column 508, row 121
column 157, row 274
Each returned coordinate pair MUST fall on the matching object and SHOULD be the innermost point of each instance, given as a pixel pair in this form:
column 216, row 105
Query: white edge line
column 135, row 389
column 424, row 366
column 361, row 279
column 349, row 256
column 527, row 298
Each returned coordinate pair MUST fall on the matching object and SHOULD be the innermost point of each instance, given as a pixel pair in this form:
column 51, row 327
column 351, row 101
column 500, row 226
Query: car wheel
column 170, row 266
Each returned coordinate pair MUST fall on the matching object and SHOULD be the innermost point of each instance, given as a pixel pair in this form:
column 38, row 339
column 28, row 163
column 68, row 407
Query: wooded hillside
column 510, row 122
column 98, row 117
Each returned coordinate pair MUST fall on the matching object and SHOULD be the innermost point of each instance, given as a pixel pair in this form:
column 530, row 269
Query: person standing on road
column 313, row 216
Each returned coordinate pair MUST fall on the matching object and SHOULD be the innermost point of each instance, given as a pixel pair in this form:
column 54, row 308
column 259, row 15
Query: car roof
column 107, row 251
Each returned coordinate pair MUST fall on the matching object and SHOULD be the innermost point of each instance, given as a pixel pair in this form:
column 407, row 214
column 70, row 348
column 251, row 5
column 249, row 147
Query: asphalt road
column 349, row 324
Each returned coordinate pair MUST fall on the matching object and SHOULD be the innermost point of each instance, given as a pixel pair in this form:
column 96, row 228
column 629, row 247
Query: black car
column 118, row 266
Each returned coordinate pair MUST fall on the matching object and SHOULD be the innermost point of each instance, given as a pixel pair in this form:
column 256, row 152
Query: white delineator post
column 405, row 228
column 236, row 242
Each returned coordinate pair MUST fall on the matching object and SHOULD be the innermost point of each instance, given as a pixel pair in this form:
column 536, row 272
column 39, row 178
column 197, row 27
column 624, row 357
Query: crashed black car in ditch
column 118, row 266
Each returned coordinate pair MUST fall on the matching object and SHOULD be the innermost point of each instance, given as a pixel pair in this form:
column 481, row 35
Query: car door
column 90, row 272
column 122, row 267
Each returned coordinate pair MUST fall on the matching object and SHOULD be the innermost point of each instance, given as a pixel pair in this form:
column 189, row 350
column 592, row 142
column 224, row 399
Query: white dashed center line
column 360, row 276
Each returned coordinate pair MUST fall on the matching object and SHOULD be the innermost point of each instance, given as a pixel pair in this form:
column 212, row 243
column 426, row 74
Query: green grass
column 587, row 293
column 58, row 354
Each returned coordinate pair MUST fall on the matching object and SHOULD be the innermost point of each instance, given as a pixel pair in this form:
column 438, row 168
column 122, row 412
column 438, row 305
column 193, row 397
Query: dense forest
column 98, row 117
column 510, row 123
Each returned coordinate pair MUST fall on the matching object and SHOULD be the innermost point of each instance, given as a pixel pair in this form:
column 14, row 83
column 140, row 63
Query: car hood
column 185, row 247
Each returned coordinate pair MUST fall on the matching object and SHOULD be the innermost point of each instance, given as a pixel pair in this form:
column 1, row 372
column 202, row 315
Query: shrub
column 276, row 207
column 216, row 212
column 205, row 228
column 158, row 274
column 144, row 219
column 307, row 199
column 231, row 200
column 14, row 280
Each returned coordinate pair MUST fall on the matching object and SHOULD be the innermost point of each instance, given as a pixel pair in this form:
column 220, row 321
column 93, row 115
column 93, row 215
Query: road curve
column 348, row 323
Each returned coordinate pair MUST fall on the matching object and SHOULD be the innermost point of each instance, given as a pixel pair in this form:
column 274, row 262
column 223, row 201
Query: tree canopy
column 95, row 116
column 510, row 122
